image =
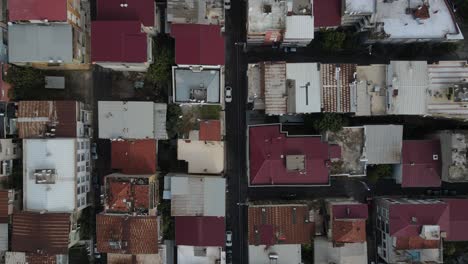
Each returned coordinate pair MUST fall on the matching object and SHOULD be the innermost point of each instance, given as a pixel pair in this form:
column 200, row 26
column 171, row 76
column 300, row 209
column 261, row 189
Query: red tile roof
column 127, row 234
column 140, row 10
column 201, row 231
column 327, row 13
column 127, row 194
column 198, row 44
column 47, row 232
column 419, row 168
column 268, row 149
column 62, row 112
column 53, row 10
column 210, row 130
column 279, row 224
column 336, row 96
column 458, row 220
column 4, row 206
column 118, row 41
column 401, row 217
column 349, row 231
column 415, row 242
column 134, row 157
column 349, row 222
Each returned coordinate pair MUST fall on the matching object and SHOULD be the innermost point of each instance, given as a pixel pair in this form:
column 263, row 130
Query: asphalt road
column 235, row 76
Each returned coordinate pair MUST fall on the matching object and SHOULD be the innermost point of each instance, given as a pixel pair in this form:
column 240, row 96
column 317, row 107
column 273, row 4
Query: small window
column 78, row 190
column 87, row 177
column 14, row 150
column 83, row 190
column 87, row 187
column 386, row 227
column 78, row 168
column 83, row 200
column 78, row 204
column 78, row 157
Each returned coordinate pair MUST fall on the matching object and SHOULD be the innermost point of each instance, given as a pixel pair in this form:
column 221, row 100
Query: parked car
column 227, row 4
column 228, row 239
column 228, row 94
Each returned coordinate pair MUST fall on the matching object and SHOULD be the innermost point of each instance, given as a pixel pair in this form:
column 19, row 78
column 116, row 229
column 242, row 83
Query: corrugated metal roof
column 210, row 130
column 383, row 144
column 132, row 120
column 304, row 91
column 337, row 93
column 299, row 28
column 127, row 234
column 198, row 196
column 52, row 10
column 4, row 205
column 134, row 157
column 275, row 88
column 40, row 43
column 279, row 224
column 59, row 154
column 421, row 163
column 408, row 84
column 141, row 10
column 47, row 232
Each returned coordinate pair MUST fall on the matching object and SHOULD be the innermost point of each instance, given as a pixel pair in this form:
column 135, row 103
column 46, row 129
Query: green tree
column 173, row 122
column 376, row 172
column 26, row 81
column 160, row 71
column 327, row 122
column 209, row 111
column 332, row 40
column 307, row 253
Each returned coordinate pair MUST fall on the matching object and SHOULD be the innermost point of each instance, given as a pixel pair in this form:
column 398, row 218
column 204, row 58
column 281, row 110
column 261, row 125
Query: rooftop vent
column 45, row 176
column 435, row 157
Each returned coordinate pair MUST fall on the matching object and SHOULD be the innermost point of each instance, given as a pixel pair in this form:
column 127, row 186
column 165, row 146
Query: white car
column 228, row 239
column 228, row 94
column 227, row 4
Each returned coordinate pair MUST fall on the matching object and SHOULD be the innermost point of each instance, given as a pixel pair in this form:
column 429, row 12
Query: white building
column 56, row 174
column 132, row 120
column 9, row 151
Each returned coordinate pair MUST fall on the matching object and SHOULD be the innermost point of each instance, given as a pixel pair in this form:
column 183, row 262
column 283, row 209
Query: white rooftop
column 197, row 195
column 287, row 254
column 400, row 25
column 383, row 143
column 304, row 92
column 349, row 253
column 58, row 154
column 186, row 255
column 407, row 83
column 299, row 28
column 359, row 6
column 132, row 120
column 259, row 21
column 203, row 157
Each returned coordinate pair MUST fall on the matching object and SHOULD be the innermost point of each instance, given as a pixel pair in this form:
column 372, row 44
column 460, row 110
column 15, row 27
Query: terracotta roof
column 62, row 112
column 349, row 231
column 53, row 10
column 415, row 242
column 422, row 12
column 140, row 10
column 274, row 76
column 458, row 220
column 127, row 234
column 198, row 44
column 336, row 93
column 350, row 211
column 201, row 231
column 127, row 193
column 210, row 130
column 134, row 157
column 327, row 13
column 113, row 258
column 279, row 224
column 401, row 217
column 118, row 41
column 47, row 232
column 4, row 206
column 420, row 168
column 268, row 149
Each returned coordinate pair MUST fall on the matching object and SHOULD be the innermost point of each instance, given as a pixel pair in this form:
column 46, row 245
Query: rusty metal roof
column 337, row 95
column 4, row 204
column 274, row 74
column 280, row 224
column 47, row 233
column 127, row 234
column 34, row 116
